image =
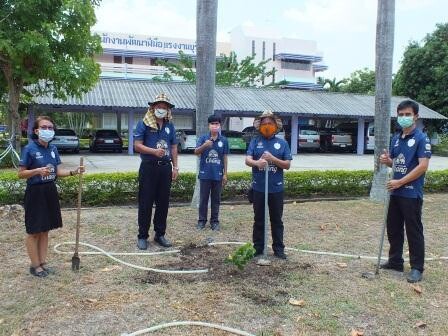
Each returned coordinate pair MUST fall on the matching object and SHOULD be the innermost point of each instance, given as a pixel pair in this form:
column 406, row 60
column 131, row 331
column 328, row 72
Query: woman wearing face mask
column 39, row 165
column 212, row 149
column 268, row 151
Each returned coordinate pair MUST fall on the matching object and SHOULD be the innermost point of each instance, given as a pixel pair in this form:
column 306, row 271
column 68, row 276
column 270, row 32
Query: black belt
column 158, row 163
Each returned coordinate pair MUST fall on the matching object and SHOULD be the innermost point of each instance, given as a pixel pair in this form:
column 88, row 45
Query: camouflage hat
column 161, row 98
column 268, row 114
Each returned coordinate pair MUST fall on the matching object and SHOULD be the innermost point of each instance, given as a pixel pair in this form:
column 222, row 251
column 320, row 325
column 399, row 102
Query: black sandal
column 49, row 270
column 40, row 274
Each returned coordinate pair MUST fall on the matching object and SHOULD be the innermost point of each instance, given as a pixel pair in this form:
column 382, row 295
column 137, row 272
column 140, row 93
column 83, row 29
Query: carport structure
column 131, row 96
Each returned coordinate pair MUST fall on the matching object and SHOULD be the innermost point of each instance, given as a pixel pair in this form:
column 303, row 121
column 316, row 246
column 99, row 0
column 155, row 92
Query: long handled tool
column 264, row 261
column 75, row 259
column 371, row 275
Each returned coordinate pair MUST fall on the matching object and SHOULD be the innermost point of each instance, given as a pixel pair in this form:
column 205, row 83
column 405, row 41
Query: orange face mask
column 267, row 130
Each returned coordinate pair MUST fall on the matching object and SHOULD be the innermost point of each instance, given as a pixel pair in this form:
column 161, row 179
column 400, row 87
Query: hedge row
column 121, row 188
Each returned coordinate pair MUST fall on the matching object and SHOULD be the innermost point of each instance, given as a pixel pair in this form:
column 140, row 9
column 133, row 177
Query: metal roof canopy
column 125, row 95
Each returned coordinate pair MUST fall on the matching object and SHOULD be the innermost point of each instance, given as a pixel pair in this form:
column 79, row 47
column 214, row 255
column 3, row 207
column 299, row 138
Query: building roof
column 127, row 94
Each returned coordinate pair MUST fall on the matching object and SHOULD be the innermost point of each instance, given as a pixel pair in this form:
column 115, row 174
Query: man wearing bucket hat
column 267, row 151
column 155, row 140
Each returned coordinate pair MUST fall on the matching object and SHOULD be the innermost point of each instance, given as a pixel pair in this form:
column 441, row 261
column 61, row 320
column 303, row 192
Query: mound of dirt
column 212, row 258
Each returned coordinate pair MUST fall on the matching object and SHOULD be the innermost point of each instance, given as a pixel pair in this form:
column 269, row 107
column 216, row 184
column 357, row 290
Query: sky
column 343, row 29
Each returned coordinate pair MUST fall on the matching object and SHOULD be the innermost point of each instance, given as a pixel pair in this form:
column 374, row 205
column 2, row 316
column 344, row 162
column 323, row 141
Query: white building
column 295, row 62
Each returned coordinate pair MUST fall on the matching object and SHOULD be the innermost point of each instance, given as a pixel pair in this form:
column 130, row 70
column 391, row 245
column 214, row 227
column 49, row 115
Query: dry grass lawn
column 105, row 298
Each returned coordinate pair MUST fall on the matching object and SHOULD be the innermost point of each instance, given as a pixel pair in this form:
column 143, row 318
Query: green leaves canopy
column 423, row 74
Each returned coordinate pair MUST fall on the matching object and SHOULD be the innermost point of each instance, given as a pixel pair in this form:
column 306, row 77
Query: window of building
column 152, row 61
column 118, row 59
column 296, row 65
column 253, row 48
column 128, row 60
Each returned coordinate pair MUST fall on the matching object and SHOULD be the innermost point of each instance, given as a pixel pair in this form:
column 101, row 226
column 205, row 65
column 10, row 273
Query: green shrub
column 122, row 188
column 241, row 256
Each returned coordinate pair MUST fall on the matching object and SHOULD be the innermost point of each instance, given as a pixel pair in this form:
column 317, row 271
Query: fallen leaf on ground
column 355, row 332
column 420, row 324
column 341, row 265
column 1, row 321
column 295, row 302
column 435, row 305
column 88, row 280
column 111, row 268
column 417, row 288
column 91, row 300
column 323, row 227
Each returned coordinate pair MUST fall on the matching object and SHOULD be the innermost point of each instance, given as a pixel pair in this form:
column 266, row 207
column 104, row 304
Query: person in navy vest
column 213, row 149
column 267, row 151
column 155, row 140
column 409, row 156
column 39, row 164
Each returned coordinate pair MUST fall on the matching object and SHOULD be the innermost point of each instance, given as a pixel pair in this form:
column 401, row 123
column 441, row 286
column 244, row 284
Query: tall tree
column 423, row 74
column 331, row 85
column 206, row 22
column 384, row 47
column 361, row 81
column 229, row 71
column 48, row 47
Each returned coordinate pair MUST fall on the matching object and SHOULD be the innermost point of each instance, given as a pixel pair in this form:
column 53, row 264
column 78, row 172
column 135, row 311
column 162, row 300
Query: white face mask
column 160, row 113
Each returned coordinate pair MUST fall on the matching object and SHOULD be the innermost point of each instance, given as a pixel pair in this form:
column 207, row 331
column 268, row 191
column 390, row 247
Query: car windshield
column 107, row 134
column 190, row 132
column 64, row 132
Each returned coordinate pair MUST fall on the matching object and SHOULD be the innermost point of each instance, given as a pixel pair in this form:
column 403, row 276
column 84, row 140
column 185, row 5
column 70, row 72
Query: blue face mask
column 46, row 135
column 405, row 122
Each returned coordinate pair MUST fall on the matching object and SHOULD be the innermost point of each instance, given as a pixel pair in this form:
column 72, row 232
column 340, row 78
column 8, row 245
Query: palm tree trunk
column 206, row 22
column 384, row 48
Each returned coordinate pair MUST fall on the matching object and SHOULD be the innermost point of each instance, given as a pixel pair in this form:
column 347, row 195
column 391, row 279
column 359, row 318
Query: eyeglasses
column 45, row 127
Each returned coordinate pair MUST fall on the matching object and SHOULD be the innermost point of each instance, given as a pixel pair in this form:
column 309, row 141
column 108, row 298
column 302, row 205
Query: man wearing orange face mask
column 271, row 152
column 213, row 149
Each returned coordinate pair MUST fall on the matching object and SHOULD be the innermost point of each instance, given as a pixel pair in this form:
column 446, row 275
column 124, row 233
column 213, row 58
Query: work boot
column 142, row 244
column 162, row 241
column 201, row 225
column 389, row 266
column 414, row 276
column 215, row 226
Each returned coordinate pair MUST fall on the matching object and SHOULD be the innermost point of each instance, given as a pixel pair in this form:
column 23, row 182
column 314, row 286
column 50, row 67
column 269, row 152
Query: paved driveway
column 109, row 162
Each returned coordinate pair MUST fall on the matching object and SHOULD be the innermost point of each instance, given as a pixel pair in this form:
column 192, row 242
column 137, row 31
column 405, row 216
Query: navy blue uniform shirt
column 164, row 138
column 278, row 148
column 34, row 155
column 405, row 152
column 211, row 166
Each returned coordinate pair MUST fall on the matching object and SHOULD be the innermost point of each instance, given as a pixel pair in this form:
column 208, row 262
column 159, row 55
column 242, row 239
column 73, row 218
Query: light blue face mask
column 405, row 122
column 46, row 135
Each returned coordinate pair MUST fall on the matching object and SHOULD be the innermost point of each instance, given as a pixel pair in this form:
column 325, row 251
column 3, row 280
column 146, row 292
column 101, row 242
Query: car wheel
column 76, row 150
column 120, row 150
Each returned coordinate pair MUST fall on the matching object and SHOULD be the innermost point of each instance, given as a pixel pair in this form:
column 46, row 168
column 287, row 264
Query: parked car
column 187, row 140
column 352, row 128
column 66, row 140
column 335, row 139
column 235, row 139
column 106, row 140
column 309, row 139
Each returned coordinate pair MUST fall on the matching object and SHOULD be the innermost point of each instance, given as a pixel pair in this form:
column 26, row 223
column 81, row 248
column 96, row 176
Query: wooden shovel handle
column 78, row 210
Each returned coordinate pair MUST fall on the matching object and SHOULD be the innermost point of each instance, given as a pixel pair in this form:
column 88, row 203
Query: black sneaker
column 215, row 226
column 414, row 276
column 162, row 241
column 387, row 265
column 40, row 274
column 280, row 255
column 200, row 225
column 142, row 244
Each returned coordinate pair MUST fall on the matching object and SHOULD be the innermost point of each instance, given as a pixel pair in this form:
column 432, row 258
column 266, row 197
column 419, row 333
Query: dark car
column 106, row 140
column 66, row 139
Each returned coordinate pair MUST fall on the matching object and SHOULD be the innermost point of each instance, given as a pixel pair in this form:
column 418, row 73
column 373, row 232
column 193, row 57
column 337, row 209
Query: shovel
column 75, row 259
column 264, row 261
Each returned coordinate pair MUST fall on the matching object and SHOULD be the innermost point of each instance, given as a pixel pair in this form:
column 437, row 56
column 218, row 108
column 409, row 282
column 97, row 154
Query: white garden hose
column 157, row 270
column 189, row 323
column 100, row 251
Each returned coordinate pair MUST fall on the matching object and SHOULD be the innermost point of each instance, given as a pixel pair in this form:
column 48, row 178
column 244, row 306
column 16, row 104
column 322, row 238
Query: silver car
column 66, row 139
column 309, row 139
